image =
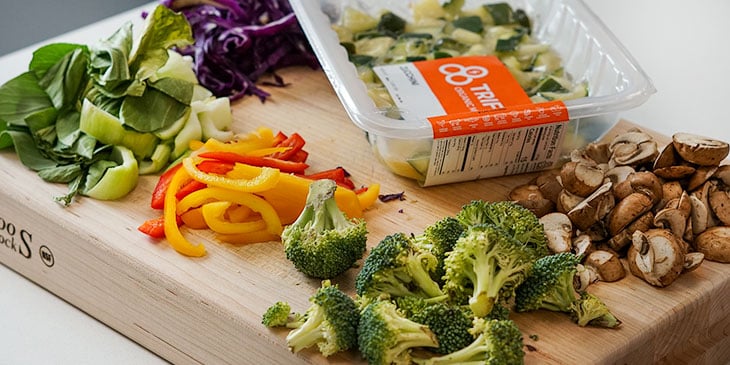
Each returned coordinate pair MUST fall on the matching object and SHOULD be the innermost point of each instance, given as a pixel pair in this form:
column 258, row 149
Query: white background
column 681, row 45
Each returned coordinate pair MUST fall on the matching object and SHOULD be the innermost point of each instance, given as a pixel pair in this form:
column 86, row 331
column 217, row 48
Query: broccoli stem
column 308, row 333
column 467, row 355
column 562, row 300
column 482, row 299
column 421, row 277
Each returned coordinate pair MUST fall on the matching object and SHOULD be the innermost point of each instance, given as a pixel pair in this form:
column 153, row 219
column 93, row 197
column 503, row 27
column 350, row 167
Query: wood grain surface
column 208, row 310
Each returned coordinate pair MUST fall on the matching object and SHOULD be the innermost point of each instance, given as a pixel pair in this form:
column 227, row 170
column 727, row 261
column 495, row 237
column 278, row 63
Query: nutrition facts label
column 489, row 154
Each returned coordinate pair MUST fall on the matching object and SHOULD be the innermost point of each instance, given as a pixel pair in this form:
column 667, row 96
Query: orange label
column 472, row 84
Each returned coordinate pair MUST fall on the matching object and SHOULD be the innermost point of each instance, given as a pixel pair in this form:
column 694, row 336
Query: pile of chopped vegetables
column 245, row 190
column 452, row 30
column 95, row 117
column 238, row 41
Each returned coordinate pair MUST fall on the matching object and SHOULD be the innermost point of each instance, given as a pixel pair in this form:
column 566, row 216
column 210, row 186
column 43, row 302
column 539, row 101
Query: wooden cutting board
column 208, row 310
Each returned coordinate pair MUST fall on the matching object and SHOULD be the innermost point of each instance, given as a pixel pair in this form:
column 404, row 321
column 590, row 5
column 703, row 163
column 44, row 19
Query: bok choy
column 96, row 116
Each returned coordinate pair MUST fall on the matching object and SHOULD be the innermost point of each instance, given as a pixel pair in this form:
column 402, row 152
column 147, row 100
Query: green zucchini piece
column 471, row 23
column 391, row 24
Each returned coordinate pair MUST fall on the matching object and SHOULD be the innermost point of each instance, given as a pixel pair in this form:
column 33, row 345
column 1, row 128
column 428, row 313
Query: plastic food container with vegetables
column 473, row 89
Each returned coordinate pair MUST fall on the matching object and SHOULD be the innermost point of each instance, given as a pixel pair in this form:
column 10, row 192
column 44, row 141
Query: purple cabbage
column 238, row 41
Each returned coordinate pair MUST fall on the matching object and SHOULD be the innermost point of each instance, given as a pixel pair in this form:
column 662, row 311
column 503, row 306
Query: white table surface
column 681, row 46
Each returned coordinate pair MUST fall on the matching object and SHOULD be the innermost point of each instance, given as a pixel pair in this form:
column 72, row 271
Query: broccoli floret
column 386, row 336
column 486, row 266
column 396, row 267
column 518, row 221
column 450, row 323
column 589, row 310
column 322, row 242
column 439, row 238
column 498, row 342
column 549, row 285
column 330, row 322
column 277, row 315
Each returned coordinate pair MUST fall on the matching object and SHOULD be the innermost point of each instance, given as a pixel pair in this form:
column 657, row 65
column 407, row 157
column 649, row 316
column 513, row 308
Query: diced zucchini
column 579, row 90
column 357, row 21
column 391, row 24
column 470, row 23
column 466, row 37
column 426, row 9
column 374, row 47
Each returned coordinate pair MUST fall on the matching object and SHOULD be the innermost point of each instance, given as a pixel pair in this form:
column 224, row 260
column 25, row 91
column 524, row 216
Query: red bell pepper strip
column 281, row 165
column 338, row 174
column 215, row 167
column 300, row 156
column 278, row 138
column 155, row 227
column 295, row 141
column 158, row 194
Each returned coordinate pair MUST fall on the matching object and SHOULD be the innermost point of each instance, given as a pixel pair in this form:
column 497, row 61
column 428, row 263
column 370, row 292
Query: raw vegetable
column 237, row 42
column 96, row 116
column 216, row 188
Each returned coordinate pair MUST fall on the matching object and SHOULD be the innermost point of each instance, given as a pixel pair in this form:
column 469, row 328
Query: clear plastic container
column 589, row 52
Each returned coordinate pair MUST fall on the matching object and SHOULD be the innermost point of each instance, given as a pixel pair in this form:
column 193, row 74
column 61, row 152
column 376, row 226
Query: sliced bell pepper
column 158, row 194
column 259, row 161
column 369, row 196
column 300, row 156
column 193, row 218
column 154, row 227
column 256, row 203
column 172, row 231
column 295, row 141
column 214, row 215
column 338, row 174
column 266, row 179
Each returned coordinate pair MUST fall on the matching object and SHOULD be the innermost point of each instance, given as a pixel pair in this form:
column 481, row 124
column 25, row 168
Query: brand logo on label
column 460, row 75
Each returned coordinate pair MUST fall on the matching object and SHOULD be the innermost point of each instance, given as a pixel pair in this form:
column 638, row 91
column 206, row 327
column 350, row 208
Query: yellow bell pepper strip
column 256, row 203
column 214, row 215
column 266, row 179
column 193, row 218
column 172, row 231
column 238, row 213
column 368, row 197
column 262, row 138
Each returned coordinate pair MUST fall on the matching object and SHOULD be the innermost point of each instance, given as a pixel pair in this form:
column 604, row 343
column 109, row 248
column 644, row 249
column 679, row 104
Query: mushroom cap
column 627, row 210
column 714, row 243
column 656, row 256
column 700, row 150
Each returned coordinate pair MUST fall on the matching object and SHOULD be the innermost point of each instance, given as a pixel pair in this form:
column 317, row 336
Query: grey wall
column 25, row 22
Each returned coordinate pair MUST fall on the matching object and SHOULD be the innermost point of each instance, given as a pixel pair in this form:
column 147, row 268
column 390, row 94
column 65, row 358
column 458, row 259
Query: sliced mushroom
column 558, row 230
column 676, row 172
column 670, row 190
column 692, row 260
column 703, row 195
column 626, row 211
column 581, row 177
column 620, row 241
column 656, row 256
column 549, row 185
column 530, row 197
column 674, row 215
column 723, row 174
column 702, row 174
column 714, row 243
column 584, row 277
column 699, row 215
column 598, row 151
column 567, row 201
column 643, row 182
column 720, row 204
column 593, row 208
column 606, row 264
column 700, row 150
column 632, row 148
column 583, row 245
column 668, row 157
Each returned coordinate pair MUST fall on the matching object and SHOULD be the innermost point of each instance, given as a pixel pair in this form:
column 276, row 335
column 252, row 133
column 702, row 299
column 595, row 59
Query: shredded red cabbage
column 238, row 41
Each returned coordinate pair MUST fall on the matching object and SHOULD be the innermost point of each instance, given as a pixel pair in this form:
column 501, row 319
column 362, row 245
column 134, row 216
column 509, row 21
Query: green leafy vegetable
column 94, row 117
